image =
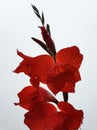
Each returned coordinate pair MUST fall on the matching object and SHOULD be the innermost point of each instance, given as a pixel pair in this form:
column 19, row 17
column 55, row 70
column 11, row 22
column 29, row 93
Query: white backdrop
column 73, row 22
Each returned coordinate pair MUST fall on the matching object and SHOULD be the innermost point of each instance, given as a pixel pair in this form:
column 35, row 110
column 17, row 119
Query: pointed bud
column 49, row 42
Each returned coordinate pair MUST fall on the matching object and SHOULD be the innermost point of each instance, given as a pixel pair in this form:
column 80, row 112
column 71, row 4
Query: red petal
column 67, row 119
column 36, row 68
column 69, row 87
column 75, row 117
column 70, row 55
column 46, row 96
column 56, row 122
column 22, row 55
column 37, row 117
column 62, row 78
column 25, row 65
column 66, row 107
column 41, row 66
column 61, row 121
column 29, row 96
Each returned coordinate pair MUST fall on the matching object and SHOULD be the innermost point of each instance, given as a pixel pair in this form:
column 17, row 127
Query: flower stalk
column 65, row 96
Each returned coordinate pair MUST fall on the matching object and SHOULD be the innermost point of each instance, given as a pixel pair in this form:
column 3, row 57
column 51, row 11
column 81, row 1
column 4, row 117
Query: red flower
column 59, row 76
column 64, row 74
column 38, row 116
column 60, row 72
column 44, row 116
column 30, row 96
column 68, row 118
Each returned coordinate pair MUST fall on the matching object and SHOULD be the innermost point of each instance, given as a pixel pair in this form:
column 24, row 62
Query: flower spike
column 59, row 71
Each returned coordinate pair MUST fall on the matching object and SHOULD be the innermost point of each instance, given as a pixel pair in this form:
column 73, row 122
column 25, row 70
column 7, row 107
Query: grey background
column 73, row 22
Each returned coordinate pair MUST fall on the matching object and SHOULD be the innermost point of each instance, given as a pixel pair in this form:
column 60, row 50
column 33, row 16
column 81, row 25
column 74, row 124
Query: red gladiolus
column 44, row 116
column 60, row 72
column 59, row 76
column 30, row 96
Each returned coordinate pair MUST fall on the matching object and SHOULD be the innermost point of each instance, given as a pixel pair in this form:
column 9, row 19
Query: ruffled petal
column 66, row 107
column 38, row 116
column 70, row 55
column 56, row 122
column 62, row 78
column 68, row 118
column 75, row 117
